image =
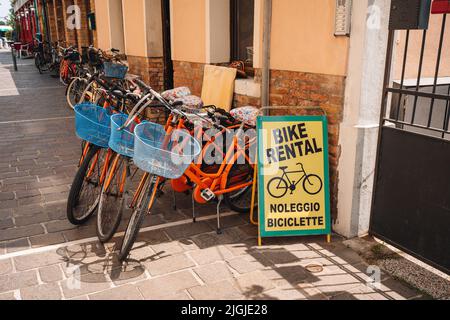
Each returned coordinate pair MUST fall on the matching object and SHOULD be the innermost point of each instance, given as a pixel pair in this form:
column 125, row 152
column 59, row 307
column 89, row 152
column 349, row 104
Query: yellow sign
column 293, row 176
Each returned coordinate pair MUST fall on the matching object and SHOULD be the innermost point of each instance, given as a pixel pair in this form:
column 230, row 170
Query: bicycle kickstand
column 174, row 198
column 219, row 230
column 194, row 216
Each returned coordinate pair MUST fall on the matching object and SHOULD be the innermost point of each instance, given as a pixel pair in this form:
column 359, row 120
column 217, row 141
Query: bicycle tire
column 135, row 223
column 109, row 211
column 76, row 189
column 37, row 62
column 75, row 87
column 281, row 180
column 239, row 201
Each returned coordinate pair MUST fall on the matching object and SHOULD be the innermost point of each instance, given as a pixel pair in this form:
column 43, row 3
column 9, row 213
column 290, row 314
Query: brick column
column 70, row 34
column 83, row 33
column 52, row 26
column 58, row 13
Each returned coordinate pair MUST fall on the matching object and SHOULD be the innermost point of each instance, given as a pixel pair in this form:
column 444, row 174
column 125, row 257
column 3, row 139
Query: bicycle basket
column 93, row 124
column 122, row 141
column 162, row 154
column 115, row 70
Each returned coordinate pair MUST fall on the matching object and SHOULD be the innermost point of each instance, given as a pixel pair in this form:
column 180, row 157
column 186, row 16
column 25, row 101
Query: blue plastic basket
column 161, row 154
column 93, row 124
column 115, row 70
column 122, row 140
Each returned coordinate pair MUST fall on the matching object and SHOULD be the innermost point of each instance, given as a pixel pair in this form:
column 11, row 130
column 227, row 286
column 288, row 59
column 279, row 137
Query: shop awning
column 5, row 28
column 19, row 4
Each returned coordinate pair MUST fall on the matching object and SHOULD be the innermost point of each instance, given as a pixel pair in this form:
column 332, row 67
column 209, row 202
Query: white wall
column 359, row 129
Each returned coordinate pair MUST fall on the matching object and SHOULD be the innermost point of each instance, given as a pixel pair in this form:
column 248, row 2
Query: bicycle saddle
column 283, row 168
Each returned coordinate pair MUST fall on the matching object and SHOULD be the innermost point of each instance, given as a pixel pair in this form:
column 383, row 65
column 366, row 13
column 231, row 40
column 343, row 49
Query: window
column 242, row 28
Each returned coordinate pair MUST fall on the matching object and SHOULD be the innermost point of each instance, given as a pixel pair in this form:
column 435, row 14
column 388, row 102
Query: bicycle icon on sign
column 278, row 187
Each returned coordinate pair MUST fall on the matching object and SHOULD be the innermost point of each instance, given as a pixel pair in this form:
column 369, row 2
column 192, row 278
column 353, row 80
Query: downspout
column 267, row 26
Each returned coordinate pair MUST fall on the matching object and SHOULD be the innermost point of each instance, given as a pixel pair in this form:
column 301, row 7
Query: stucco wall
column 108, row 15
column 303, row 38
column 134, row 27
column 188, row 30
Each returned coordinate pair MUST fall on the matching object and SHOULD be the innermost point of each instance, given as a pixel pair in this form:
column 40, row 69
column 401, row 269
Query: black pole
column 13, row 56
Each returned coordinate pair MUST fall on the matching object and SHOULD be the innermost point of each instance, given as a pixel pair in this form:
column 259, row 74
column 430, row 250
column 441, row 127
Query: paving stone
column 7, row 296
column 18, row 280
column 169, row 264
column 47, row 291
column 167, row 248
column 51, row 273
column 22, row 194
column 211, row 239
column 279, row 256
column 21, row 232
column 248, row 264
column 17, row 245
column 32, row 219
column 126, row 292
column 46, row 240
column 215, row 272
column 79, row 233
column 129, row 273
column 164, row 286
column 283, row 294
column 186, row 231
column 6, row 266
column 210, row 255
column 228, row 222
column 38, row 260
column 223, row 290
column 6, row 224
column 6, row 196
column 84, row 284
column 402, row 290
column 253, row 284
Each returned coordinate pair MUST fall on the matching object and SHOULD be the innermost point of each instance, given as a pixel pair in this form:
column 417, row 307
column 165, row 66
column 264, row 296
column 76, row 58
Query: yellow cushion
column 218, row 86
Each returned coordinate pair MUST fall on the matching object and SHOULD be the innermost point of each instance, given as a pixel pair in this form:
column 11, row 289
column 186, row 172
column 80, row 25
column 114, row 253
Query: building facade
column 329, row 54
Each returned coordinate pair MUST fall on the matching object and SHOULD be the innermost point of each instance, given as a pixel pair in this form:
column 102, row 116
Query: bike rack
column 255, row 176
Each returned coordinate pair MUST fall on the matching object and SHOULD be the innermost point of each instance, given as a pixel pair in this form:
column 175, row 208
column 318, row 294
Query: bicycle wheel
column 112, row 199
column 75, row 91
column 38, row 62
column 137, row 218
column 277, row 187
column 84, row 193
column 312, row 184
column 240, row 200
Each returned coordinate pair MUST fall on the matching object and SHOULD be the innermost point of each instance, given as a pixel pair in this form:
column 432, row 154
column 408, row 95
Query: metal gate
column 411, row 202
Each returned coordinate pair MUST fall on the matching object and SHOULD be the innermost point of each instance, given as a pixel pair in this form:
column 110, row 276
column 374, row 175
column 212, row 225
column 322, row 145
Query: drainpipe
column 267, row 26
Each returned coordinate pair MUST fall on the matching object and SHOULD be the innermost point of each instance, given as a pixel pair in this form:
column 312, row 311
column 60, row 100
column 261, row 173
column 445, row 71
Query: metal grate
column 434, row 122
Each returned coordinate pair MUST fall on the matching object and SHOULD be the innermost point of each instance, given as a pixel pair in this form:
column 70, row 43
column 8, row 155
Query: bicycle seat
column 283, row 168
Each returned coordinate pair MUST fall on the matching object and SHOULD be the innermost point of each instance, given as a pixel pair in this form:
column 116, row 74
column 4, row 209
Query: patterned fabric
column 191, row 102
column 176, row 93
column 246, row 115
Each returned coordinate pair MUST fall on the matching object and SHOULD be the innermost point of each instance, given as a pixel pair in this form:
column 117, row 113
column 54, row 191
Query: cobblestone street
column 42, row 256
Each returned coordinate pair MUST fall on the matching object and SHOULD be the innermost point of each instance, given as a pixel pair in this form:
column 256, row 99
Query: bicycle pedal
column 207, row 195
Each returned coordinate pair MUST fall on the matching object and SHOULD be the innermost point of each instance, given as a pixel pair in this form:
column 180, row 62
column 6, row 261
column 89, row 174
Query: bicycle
column 154, row 155
column 93, row 126
column 278, row 187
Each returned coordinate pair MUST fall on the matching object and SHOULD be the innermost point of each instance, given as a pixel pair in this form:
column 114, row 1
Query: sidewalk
column 42, row 256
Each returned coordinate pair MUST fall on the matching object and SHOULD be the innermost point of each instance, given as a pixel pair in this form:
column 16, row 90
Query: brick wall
column 52, row 21
column 70, row 34
column 83, row 32
column 60, row 22
column 151, row 70
column 189, row 74
column 289, row 88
